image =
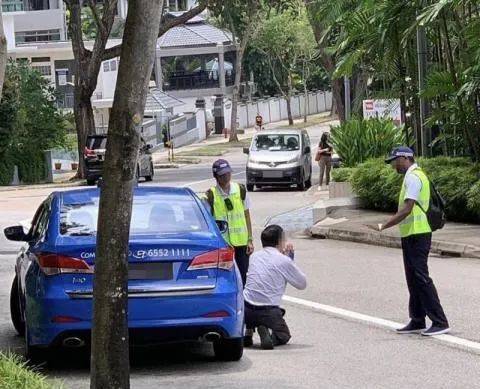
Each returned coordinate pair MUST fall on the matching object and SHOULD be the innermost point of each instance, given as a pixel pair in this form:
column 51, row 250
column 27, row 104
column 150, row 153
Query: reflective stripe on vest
column 417, row 222
column 237, row 233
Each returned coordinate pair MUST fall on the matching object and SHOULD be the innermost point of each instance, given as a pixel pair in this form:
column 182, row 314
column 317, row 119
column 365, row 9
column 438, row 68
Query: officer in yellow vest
column 229, row 202
column 416, row 234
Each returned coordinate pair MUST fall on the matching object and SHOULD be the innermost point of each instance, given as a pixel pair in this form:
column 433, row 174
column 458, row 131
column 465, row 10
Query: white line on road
column 463, row 343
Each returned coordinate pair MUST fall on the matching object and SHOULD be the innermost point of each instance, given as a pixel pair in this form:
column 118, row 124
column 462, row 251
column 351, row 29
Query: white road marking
column 454, row 340
column 207, row 180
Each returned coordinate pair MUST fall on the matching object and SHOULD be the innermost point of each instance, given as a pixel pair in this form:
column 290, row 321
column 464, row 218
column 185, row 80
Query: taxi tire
column 228, row 350
column 15, row 308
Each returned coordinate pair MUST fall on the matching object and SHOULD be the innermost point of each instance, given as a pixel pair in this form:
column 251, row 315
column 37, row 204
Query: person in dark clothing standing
column 416, row 234
column 324, row 158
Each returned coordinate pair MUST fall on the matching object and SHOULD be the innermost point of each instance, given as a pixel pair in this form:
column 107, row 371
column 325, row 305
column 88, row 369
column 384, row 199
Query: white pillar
column 158, row 72
column 221, row 68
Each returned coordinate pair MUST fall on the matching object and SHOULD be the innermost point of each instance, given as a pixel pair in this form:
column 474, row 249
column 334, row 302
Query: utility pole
column 425, row 135
column 346, row 82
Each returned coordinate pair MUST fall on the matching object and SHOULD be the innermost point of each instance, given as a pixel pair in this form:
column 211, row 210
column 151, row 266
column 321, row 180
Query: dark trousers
column 424, row 299
column 270, row 317
column 242, row 260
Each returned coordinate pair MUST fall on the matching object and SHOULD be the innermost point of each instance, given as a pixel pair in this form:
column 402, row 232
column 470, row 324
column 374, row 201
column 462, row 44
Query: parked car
column 94, row 157
column 183, row 282
column 280, row 157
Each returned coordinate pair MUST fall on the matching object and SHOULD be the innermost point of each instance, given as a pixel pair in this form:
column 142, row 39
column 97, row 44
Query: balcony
column 196, row 80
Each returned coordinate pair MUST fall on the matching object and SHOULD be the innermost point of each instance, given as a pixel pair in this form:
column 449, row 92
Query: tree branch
column 99, row 22
column 166, row 25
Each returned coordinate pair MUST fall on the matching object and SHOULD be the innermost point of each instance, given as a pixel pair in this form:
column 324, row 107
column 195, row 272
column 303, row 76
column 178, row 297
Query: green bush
column 378, row 185
column 359, row 140
column 14, row 374
column 342, row 174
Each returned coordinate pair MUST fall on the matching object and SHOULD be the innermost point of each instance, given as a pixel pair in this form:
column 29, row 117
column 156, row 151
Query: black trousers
column 424, row 299
column 270, row 317
column 242, row 260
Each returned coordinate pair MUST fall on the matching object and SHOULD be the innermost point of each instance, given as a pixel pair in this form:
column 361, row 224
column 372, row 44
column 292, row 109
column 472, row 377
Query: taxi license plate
column 273, row 174
column 150, row 271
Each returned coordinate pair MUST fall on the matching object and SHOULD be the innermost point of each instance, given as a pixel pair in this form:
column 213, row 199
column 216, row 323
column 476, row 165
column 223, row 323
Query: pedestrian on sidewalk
column 270, row 271
column 416, row 234
column 324, row 158
column 228, row 201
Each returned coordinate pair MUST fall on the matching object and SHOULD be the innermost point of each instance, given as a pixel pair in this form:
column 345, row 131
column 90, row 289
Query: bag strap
column 243, row 192
column 210, row 199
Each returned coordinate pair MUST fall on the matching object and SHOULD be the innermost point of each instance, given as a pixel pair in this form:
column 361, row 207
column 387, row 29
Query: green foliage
column 342, row 174
column 358, row 140
column 29, row 124
column 15, row 374
column 378, row 185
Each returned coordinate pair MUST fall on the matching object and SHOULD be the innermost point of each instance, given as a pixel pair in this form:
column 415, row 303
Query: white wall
column 9, row 29
column 40, row 20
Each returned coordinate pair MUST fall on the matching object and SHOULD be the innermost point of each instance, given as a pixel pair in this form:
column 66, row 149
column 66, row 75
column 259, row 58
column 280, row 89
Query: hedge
column 457, row 179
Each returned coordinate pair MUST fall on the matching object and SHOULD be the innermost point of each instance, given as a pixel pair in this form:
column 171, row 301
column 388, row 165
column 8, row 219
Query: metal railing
column 195, row 80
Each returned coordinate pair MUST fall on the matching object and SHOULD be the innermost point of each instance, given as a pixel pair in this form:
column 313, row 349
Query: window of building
column 40, row 5
column 113, row 65
column 12, row 5
column 177, row 5
column 45, row 70
column 106, row 66
column 37, row 36
column 40, row 59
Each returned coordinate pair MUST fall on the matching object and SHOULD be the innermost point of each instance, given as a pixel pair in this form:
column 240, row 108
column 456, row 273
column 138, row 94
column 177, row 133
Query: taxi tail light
column 52, row 264
column 217, row 259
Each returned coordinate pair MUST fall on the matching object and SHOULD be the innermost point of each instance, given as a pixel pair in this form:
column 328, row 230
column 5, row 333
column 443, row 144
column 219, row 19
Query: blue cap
column 221, row 167
column 398, row 152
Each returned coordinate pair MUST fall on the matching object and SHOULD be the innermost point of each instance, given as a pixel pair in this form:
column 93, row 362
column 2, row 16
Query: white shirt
column 413, row 184
column 268, row 274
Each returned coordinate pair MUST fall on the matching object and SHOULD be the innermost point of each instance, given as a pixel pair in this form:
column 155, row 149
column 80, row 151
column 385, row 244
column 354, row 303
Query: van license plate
column 272, row 174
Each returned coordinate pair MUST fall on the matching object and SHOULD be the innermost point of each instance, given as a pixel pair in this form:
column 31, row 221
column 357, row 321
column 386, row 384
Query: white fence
column 274, row 109
column 184, row 130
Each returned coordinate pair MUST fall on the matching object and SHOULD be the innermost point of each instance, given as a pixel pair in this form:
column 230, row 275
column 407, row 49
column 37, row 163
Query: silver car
column 280, row 157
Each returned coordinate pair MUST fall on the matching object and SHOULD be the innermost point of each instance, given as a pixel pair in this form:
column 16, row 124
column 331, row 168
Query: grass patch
column 15, row 374
column 313, row 121
column 215, row 150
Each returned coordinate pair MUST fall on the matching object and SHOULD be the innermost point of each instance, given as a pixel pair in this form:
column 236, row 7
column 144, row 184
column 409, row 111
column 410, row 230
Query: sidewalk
column 455, row 239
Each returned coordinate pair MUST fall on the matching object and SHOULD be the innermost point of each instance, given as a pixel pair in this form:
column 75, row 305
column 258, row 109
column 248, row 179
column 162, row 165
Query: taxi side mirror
column 222, row 226
column 15, row 233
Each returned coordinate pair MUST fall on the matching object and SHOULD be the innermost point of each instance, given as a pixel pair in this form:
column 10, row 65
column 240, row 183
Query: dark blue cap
column 398, row 152
column 221, row 167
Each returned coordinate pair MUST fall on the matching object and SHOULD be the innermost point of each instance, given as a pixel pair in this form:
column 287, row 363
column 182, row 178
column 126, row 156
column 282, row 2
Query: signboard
column 384, row 109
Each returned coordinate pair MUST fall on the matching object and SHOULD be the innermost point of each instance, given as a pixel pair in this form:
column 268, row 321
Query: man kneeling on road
column 270, row 270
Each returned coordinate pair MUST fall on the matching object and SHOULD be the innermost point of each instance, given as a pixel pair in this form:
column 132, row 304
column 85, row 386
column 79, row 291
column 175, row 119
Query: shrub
column 378, row 185
column 342, row 174
column 358, row 140
column 15, row 374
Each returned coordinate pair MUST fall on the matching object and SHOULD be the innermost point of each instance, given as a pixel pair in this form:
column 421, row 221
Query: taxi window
column 150, row 215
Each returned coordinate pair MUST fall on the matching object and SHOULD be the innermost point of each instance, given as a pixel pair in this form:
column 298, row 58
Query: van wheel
column 250, row 187
column 301, row 185
column 308, row 184
column 15, row 308
column 228, row 349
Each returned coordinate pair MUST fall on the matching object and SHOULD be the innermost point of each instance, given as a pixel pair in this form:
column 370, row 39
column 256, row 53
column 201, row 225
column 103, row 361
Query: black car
column 94, row 157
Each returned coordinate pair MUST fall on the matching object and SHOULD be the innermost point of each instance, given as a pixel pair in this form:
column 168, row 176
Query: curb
column 166, row 166
column 378, row 239
column 43, row 186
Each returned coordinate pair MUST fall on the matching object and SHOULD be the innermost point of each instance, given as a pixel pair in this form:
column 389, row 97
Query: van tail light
column 217, row 259
column 89, row 152
column 52, row 264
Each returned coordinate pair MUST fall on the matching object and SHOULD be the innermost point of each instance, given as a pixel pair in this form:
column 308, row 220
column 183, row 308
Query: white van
column 280, row 157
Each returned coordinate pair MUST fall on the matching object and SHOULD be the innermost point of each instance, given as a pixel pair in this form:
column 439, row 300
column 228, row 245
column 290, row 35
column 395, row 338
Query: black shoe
column 266, row 340
column 436, row 330
column 247, row 341
column 414, row 327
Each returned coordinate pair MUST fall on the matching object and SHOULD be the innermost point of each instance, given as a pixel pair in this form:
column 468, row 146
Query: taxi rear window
column 151, row 215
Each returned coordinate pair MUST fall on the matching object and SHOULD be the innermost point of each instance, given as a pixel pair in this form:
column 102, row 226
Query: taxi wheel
column 228, row 349
column 15, row 309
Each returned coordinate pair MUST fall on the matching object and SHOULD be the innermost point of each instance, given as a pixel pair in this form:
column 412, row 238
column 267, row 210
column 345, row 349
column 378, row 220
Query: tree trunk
column 85, row 124
column 337, row 92
column 3, row 53
column 110, row 354
column 305, row 93
column 236, row 92
column 289, row 101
